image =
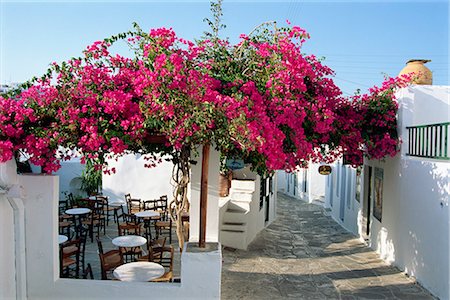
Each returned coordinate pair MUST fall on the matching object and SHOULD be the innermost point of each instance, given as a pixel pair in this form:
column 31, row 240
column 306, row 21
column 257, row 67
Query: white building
column 305, row 184
column 400, row 206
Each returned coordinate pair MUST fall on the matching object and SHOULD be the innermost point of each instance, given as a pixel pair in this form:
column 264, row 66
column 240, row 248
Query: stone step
column 233, row 216
column 233, row 239
column 238, row 196
column 234, row 226
column 243, row 185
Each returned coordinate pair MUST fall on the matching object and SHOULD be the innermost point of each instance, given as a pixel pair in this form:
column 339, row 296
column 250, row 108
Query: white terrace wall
column 7, row 251
column 132, row 177
column 36, row 258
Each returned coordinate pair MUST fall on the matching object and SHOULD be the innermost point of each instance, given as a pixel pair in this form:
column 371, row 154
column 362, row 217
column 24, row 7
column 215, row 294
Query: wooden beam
column 203, row 195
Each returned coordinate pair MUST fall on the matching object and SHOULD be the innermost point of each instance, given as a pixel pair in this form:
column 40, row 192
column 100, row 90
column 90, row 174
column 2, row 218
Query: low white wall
column 7, row 250
column 212, row 212
column 43, row 280
column 132, row 177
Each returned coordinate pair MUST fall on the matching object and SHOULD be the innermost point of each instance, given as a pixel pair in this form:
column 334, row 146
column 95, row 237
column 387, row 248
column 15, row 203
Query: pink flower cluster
column 265, row 100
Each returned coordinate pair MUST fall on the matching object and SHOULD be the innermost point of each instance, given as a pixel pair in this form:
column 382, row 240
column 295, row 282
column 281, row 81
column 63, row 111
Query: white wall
column 70, row 177
column 414, row 231
column 7, row 252
column 340, row 186
column 132, row 177
column 256, row 216
column 293, row 184
column 43, row 280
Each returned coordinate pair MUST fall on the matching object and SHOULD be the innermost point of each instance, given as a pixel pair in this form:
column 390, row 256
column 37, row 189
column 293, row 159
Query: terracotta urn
column 417, row 66
column 225, row 184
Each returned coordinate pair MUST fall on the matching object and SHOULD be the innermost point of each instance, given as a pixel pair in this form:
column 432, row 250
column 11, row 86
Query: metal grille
column 429, row 141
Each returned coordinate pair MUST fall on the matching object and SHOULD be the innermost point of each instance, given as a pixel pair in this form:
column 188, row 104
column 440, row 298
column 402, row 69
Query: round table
column 78, row 211
column 116, row 204
column 129, row 241
column 147, row 214
column 142, row 271
column 62, row 239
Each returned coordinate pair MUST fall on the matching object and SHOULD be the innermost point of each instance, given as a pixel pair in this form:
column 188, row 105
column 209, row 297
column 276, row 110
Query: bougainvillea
column 261, row 99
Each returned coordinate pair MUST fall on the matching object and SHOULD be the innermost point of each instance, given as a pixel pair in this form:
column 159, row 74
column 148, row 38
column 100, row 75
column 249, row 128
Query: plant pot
column 423, row 74
column 225, row 184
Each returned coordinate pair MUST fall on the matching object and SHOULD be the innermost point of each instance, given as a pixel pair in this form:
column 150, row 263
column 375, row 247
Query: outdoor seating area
column 129, row 240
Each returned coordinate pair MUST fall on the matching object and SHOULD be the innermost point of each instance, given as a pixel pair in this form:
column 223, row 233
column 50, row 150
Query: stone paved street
column 304, row 254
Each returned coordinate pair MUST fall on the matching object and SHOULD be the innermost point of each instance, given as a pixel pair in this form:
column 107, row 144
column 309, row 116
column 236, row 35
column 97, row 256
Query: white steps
column 233, row 230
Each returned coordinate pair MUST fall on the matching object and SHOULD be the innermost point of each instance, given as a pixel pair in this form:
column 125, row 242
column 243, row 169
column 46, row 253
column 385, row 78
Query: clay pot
column 424, row 75
column 225, row 184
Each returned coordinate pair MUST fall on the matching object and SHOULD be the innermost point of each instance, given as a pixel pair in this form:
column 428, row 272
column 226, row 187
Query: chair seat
column 163, row 223
column 70, row 250
column 67, row 261
column 165, row 278
column 112, row 260
column 65, row 224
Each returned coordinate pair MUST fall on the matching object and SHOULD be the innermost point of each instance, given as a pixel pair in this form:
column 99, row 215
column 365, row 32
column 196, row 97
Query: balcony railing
column 429, row 141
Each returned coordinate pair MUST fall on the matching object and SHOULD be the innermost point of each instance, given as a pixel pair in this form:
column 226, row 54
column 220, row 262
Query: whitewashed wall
column 293, row 184
column 256, row 216
column 7, row 256
column 70, row 177
column 340, row 196
column 132, row 177
column 414, row 232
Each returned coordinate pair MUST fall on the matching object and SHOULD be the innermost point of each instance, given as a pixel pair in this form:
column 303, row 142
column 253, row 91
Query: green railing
column 430, row 141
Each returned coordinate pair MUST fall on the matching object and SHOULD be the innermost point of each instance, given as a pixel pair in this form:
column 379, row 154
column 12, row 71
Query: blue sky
column 360, row 40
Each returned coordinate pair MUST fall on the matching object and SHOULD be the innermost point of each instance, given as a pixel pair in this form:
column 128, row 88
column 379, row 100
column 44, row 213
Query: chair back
column 165, row 258
column 133, row 205
column 129, row 229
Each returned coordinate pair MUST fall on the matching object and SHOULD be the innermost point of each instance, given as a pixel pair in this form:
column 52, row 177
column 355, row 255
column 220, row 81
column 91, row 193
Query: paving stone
column 304, row 254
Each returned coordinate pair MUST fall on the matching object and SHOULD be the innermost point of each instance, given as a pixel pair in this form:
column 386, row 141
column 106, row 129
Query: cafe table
column 79, row 211
column 141, row 271
column 146, row 215
column 62, row 239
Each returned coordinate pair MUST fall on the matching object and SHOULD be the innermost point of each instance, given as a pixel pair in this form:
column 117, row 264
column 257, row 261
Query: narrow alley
column 305, row 254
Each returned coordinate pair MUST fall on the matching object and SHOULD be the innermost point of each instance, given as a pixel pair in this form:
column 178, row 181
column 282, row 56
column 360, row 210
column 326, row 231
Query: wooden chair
column 133, row 253
column 106, row 208
column 65, row 226
column 72, row 249
column 164, row 225
column 108, row 260
column 95, row 220
column 166, row 260
column 69, row 263
column 153, row 249
column 134, row 205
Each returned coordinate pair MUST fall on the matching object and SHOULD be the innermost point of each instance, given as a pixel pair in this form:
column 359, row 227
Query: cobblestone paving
column 304, row 254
